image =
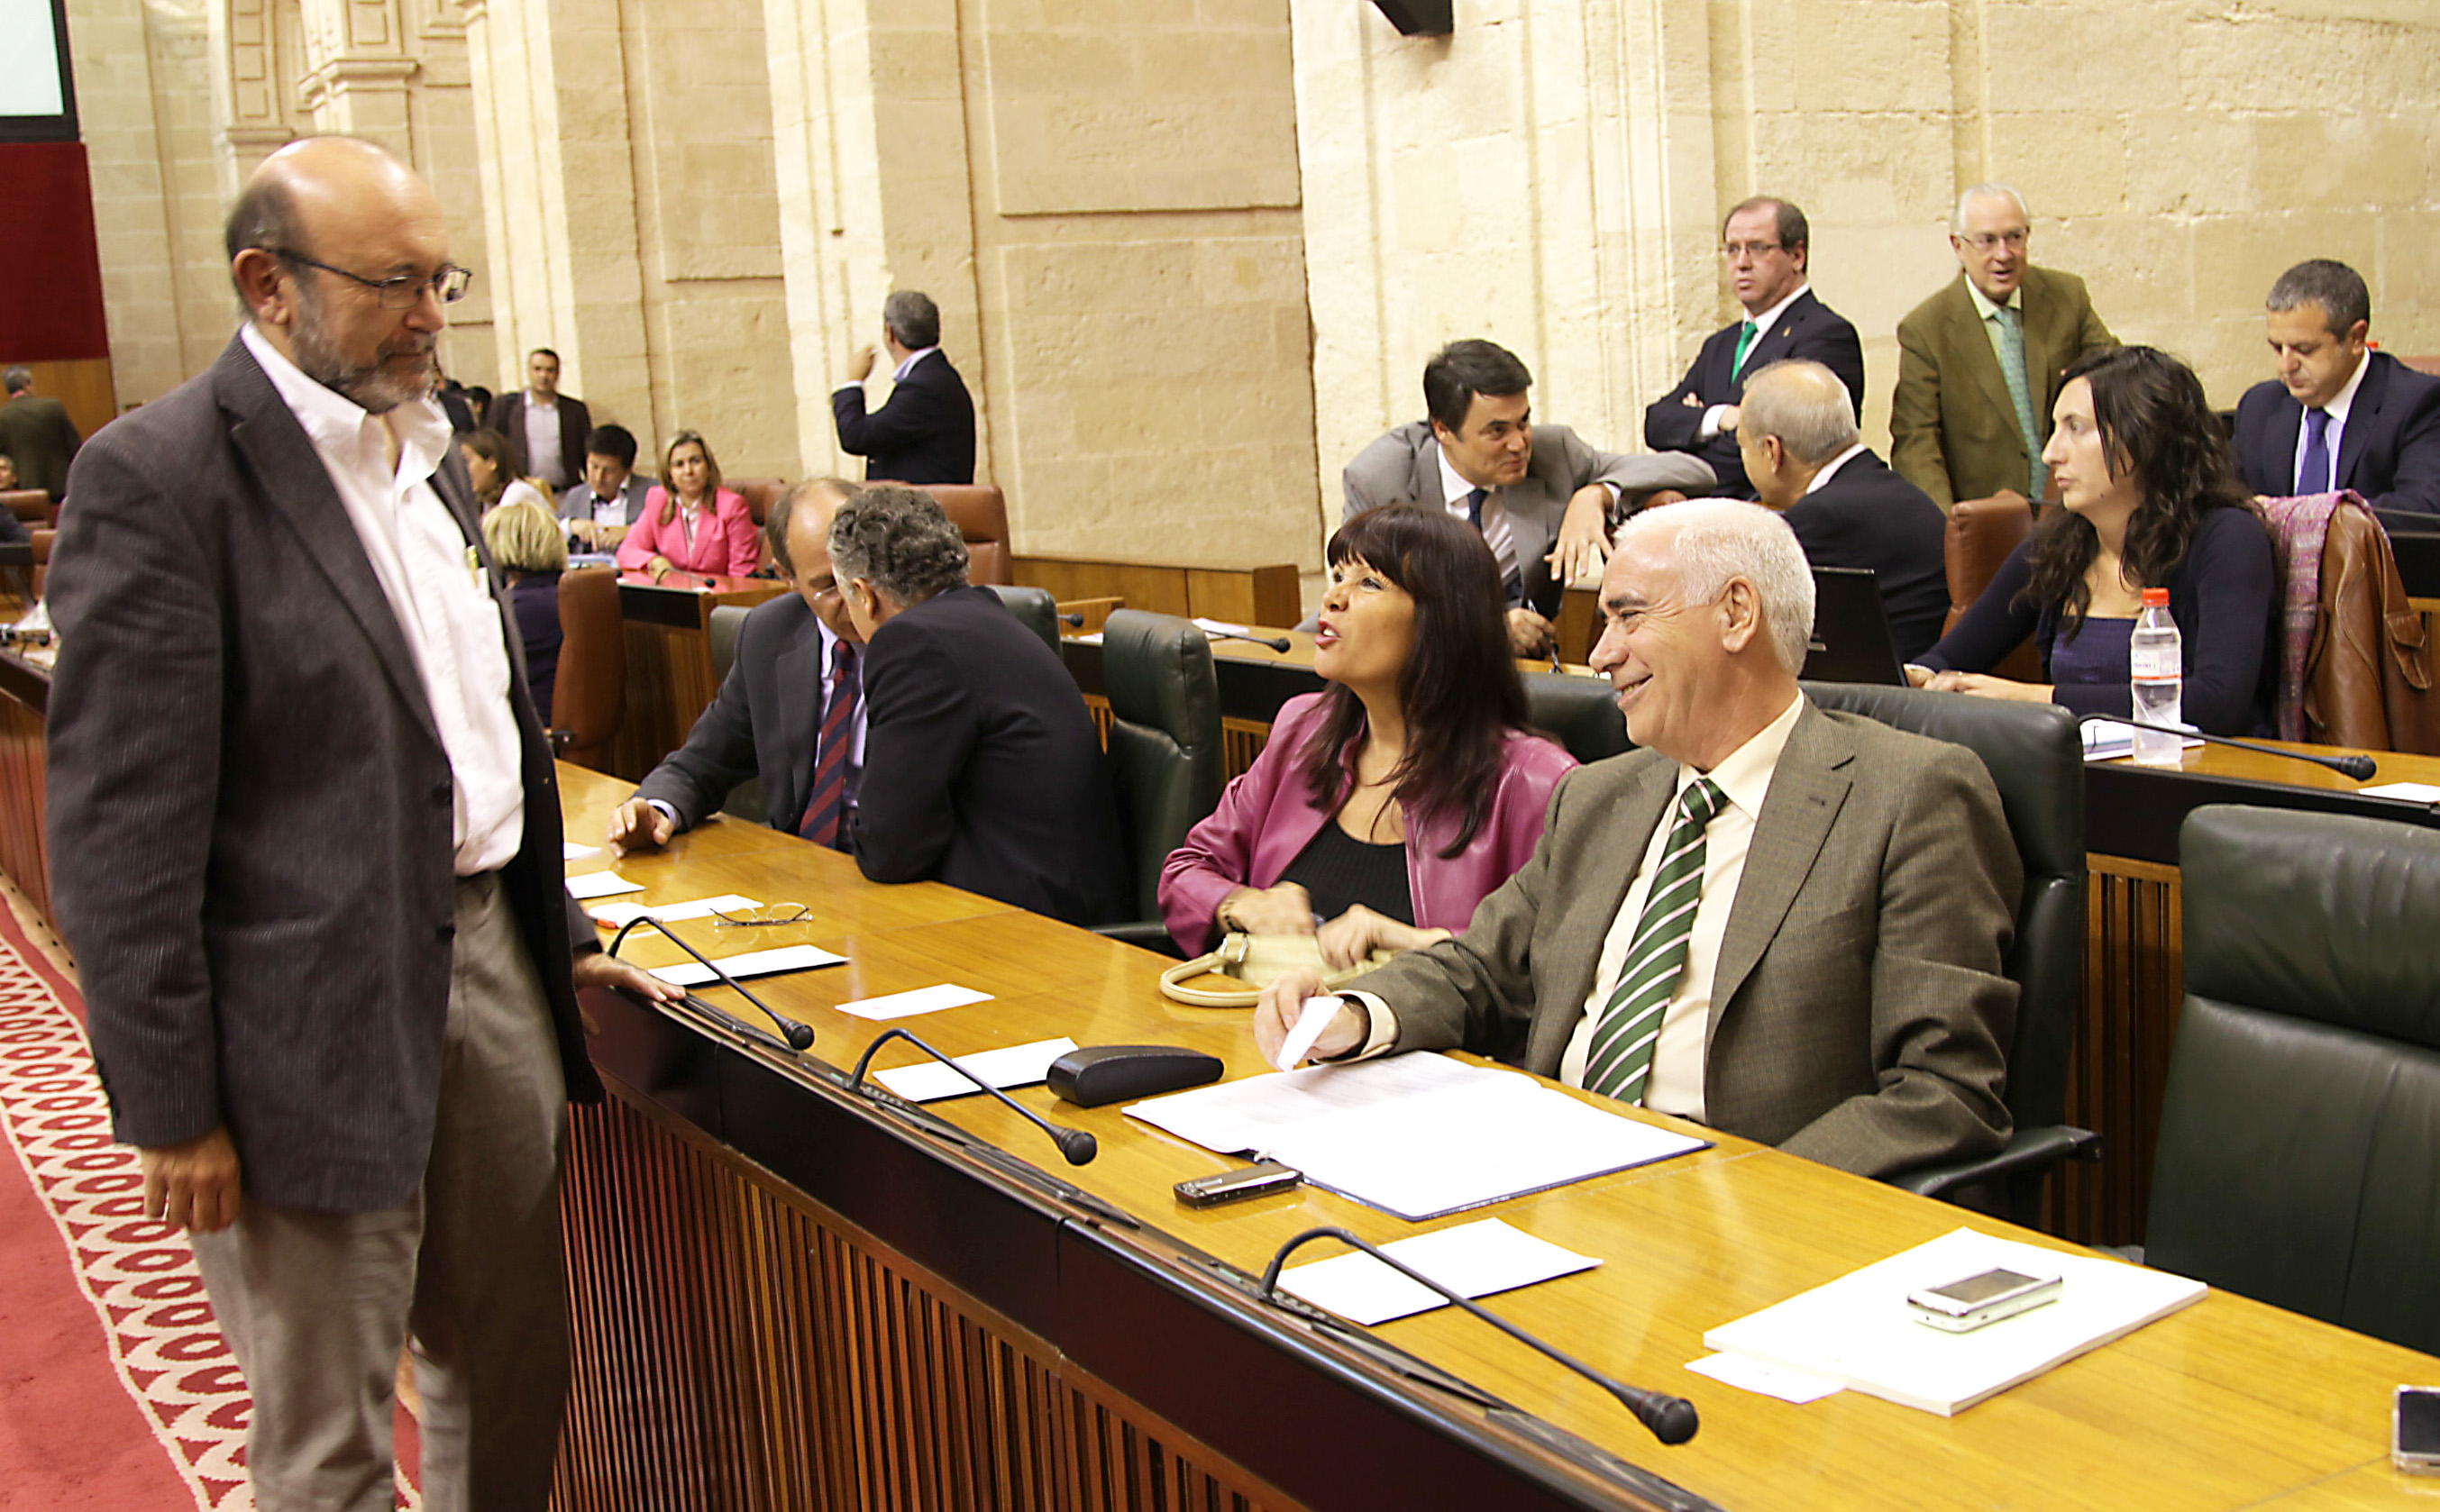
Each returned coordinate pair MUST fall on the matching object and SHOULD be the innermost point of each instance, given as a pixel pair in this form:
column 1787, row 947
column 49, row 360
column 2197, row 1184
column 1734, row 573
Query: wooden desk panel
column 670, row 679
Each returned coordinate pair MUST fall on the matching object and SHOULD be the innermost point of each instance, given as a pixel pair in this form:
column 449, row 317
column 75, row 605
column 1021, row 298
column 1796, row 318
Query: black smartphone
column 2414, row 1441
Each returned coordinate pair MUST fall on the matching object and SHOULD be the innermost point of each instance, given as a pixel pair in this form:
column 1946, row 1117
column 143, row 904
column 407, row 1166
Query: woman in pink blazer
column 690, row 523
column 1384, row 806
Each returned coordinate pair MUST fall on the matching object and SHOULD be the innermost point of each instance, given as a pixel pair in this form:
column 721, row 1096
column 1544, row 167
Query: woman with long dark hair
column 494, row 478
column 689, row 522
column 2150, row 502
column 1384, row 806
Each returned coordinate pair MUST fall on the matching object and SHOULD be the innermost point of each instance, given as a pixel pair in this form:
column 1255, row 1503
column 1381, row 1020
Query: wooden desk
column 670, row 681
column 24, row 695
column 784, row 1297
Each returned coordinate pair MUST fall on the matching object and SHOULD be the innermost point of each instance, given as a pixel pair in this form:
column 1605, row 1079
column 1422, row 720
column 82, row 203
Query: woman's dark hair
column 710, row 477
column 2154, row 421
column 1459, row 689
column 494, row 448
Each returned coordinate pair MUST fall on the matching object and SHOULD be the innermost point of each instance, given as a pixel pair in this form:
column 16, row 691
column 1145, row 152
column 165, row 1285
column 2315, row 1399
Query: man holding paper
column 1781, row 922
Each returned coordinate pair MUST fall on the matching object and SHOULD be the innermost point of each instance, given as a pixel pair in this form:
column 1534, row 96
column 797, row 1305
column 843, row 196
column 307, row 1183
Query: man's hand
column 1583, row 546
column 1981, row 685
column 603, row 970
column 859, row 365
column 1529, row 637
column 193, row 1185
column 639, row 825
column 1283, row 1003
column 1285, row 909
column 1690, row 401
column 1357, row 933
column 1728, row 419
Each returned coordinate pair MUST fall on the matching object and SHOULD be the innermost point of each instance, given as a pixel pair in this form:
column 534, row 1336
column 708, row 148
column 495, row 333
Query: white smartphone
column 1970, row 1301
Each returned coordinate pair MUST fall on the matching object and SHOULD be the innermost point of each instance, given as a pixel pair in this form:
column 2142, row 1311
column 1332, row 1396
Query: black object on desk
column 1101, row 1073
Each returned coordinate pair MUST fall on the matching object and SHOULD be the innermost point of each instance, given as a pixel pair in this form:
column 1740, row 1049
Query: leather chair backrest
column 33, row 505
column 1165, row 750
column 1581, row 713
column 981, row 515
column 2036, row 760
column 744, row 801
column 589, row 701
column 2298, row 1156
column 760, row 494
column 1980, row 535
column 1033, row 608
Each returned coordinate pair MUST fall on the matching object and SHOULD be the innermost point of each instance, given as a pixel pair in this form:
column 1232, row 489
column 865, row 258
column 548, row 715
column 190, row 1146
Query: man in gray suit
column 1778, row 921
column 1541, row 497
column 305, row 842
column 599, row 509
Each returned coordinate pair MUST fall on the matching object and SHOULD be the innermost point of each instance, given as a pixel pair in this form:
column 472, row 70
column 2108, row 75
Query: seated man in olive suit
column 1781, row 922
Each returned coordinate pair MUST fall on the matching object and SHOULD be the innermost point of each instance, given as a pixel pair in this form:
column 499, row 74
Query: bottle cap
column 2156, row 598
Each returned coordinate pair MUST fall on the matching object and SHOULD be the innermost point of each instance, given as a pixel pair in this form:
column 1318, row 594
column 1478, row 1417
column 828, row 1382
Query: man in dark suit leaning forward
column 2338, row 414
column 1781, row 922
column 982, row 767
column 305, row 842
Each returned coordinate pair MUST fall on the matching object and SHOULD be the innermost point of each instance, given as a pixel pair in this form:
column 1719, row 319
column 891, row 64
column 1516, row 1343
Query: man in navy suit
column 1767, row 244
column 925, row 431
column 2339, row 416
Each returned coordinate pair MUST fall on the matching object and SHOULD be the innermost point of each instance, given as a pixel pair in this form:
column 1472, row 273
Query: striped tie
column 1619, row 1062
column 828, row 796
column 1491, row 518
column 2020, row 393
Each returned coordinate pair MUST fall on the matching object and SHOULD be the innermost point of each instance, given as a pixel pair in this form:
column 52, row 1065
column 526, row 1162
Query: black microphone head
column 1077, row 1146
column 1671, row 1419
column 2359, row 767
column 1279, row 642
column 800, row 1036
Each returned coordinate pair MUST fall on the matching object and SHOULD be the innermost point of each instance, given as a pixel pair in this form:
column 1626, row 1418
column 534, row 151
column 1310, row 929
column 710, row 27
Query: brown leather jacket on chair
column 2368, row 676
column 1980, row 535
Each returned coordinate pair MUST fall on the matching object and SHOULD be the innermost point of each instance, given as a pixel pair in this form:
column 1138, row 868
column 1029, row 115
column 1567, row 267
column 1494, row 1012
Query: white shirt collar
column 1985, row 308
column 2346, row 396
column 1830, row 469
column 335, row 422
column 908, row 365
column 1453, row 485
column 1744, row 775
column 1770, row 317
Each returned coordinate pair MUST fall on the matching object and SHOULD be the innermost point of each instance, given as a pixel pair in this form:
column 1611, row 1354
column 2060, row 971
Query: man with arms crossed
column 1777, row 921
column 305, row 842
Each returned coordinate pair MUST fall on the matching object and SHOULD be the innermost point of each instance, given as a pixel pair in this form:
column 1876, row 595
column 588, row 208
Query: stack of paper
column 1472, row 1259
column 1416, row 1135
column 752, row 963
column 1859, row 1330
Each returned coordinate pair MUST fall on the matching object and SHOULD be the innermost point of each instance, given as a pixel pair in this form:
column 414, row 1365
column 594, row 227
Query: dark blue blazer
column 2389, row 452
column 1867, row 516
column 1808, row 329
column 923, row 434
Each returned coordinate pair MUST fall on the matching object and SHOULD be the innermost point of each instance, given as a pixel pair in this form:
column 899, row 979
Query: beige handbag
column 1256, row 960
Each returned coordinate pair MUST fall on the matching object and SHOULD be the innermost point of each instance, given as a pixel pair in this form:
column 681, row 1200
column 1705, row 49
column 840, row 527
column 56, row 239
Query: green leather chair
column 745, row 799
column 1034, row 609
column 1580, row 713
column 2036, row 760
column 1165, row 754
column 2299, row 1160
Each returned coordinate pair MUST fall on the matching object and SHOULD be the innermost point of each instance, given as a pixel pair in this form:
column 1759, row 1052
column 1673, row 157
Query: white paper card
column 2107, row 739
column 1474, row 1259
column 921, row 999
column 618, row 916
column 2409, row 791
column 753, row 963
column 570, row 850
column 1766, row 1380
column 601, row 884
column 1220, row 627
column 1019, row 1065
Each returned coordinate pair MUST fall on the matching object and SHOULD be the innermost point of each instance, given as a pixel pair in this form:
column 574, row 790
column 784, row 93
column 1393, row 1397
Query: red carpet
column 117, row 1392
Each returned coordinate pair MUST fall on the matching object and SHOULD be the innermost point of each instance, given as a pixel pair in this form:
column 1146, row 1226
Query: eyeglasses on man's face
column 1993, row 240
column 400, row 293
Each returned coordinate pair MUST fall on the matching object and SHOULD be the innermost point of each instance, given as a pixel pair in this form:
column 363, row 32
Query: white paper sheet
column 752, row 963
column 1018, row 1065
column 921, row 999
column 2407, row 792
column 1417, row 1135
column 1859, row 1330
column 601, row 884
column 1474, row 1259
column 618, row 916
column 1765, row 1381
column 570, row 850
column 2107, row 739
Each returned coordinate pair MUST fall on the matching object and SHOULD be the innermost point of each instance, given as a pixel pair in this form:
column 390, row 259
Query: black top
column 1806, row 329
column 1868, row 516
column 1338, row 871
column 536, row 601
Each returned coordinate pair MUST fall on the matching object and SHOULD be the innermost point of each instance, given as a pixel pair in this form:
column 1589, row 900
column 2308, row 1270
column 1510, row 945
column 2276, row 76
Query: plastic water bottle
column 2156, row 670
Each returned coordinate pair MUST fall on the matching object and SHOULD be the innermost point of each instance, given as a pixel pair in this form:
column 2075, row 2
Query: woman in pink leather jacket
column 1388, row 805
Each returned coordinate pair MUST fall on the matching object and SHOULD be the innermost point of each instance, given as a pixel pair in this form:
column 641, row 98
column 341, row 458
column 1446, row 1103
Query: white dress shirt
column 1496, row 533
column 542, row 441
column 2337, row 409
column 1711, row 426
column 427, row 571
column 1830, row 469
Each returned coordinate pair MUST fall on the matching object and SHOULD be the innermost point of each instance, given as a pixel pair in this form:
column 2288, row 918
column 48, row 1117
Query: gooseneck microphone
column 798, row 1037
column 1075, row 1144
column 1075, row 620
column 2360, row 768
column 1671, row 1419
column 1277, row 643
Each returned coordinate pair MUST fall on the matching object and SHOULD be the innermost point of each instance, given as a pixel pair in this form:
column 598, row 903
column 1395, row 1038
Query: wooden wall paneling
column 1241, row 741
column 2134, row 980
column 1258, row 595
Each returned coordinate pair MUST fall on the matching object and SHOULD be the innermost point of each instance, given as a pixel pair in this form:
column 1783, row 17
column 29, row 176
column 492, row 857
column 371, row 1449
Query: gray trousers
column 317, row 1305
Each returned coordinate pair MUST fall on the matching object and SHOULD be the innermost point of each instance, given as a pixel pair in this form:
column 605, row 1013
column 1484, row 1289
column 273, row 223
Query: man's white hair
column 1984, row 191
column 1713, row 541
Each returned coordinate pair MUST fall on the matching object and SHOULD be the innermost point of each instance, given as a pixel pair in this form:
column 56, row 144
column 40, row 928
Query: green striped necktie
column 2020, row 393
column 1619, row 1062
column 1745, row 344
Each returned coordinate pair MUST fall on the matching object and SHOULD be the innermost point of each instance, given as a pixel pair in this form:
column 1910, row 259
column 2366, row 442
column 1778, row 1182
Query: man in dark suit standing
column 791, row 710
column 2338, row 414
column 1809, row 462
column 37, row 435
column 1767, row 245
column 1775, row 921
column 982, row 768
column 925, row 431
column 305, row 844
column 1980, row 364
column 545, row 428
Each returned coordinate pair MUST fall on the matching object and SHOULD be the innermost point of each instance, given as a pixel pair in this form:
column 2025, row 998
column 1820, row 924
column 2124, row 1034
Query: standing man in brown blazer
column 305, row 842
column 1777, row 921
column 1980, row 362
